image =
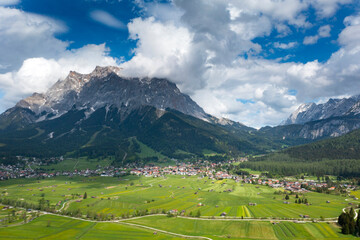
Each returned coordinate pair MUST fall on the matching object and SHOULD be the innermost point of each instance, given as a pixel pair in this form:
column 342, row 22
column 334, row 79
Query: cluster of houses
column 30, row 169
column 184, row 169
column 200, row 168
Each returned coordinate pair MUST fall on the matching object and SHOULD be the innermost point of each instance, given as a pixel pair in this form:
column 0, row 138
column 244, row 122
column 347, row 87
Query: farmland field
column 218, row 229
column 58, row 227
column 129, row 194
column 77, row 163
column 55, row 227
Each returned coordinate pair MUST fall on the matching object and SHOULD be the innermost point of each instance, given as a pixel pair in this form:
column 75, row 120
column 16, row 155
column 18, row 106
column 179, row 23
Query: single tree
column 198, row 213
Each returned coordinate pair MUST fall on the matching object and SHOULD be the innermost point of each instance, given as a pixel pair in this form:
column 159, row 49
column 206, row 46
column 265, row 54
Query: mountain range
column 138, row 119
column 314, row 121
column 104, row 113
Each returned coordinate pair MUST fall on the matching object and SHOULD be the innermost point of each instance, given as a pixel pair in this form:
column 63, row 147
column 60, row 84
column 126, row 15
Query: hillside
column 338, row 156
column 170, row 133
column 104, row 114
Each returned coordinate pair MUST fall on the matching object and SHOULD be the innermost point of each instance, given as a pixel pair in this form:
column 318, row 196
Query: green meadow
column 58, row 227
column 77, row 163
column 218, row 229
column 129, row 194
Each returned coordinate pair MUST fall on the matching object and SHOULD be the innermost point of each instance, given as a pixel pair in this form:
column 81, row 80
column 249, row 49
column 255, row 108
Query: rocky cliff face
column 333, row 108
column 331, row 119
column 106, row 87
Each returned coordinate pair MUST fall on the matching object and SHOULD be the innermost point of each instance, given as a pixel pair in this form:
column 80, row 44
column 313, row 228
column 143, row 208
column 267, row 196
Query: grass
column 131, row 193
column 65, row 228
column 244, row 229
column 70, row 164
column 146, row 151
column 210, row 153
column 128, row 194
column 58, row 227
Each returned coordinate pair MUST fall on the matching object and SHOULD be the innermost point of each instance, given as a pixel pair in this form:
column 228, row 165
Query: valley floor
column 123, row 201
column 161, row 227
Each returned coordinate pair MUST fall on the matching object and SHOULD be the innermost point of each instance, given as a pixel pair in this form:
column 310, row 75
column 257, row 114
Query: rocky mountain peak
column 104, row 86
column 332, row 108
column 101, row 72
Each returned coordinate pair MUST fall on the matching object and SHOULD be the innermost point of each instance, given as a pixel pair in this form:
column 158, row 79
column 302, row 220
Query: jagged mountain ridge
column 106, row 113
column 308, row 112
column 104, row 87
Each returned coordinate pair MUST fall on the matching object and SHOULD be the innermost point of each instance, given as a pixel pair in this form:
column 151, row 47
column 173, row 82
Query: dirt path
column 170, row 233
column 356, row 214
column 76, row 164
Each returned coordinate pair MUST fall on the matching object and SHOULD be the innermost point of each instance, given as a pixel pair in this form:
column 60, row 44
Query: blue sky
column 82, row 29
column 253, row 61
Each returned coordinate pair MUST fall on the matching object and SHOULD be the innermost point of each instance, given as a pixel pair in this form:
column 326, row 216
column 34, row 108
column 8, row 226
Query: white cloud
column 202, row 59
column 25, row 35
column 323, row 32
column 326, row 8
column 285, row 45
column 286, row 10
column 8, row 2
column 203, row 48
column 107, row 19
column 32, row 59
column 350, row 36
column 165, row 50
column 309, row 40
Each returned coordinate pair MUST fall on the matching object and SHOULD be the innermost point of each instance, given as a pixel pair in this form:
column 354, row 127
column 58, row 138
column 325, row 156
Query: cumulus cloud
column 8, row 2
column 25, row 35
column 107, row 19
column 285, row 45
column 326, row 8
column 32, row 59
column 208, row 49
column 323, row 32
column 204, row 57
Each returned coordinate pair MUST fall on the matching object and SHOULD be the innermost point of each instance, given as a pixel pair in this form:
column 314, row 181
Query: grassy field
column 129, row 194
column 77, row 163
column 217, row 229
column 146, row 151
column 57, row 227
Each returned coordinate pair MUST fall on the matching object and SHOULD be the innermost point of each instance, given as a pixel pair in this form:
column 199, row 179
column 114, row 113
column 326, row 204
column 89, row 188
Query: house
column 174, row 211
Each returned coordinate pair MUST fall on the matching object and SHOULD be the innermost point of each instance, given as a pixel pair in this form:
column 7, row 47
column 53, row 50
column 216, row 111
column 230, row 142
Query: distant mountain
column 106, row 114
column 332, row 108
column 313, row 121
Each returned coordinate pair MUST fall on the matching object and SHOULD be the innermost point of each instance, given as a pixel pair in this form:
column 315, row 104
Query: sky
column 252, row 61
